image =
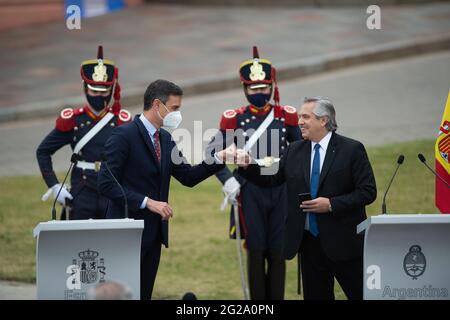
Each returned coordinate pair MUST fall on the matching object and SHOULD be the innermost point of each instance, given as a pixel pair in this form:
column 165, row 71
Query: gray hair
column 324, row 108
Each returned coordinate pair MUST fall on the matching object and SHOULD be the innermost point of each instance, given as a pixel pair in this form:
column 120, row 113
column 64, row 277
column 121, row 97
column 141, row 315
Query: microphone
column 103, row 156
column 73, row 160
column 189, row 296
column 400, row 160
column 424, row 161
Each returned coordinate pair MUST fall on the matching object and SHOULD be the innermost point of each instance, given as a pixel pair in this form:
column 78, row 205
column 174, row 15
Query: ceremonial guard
column 86, row 131
column 264, row 130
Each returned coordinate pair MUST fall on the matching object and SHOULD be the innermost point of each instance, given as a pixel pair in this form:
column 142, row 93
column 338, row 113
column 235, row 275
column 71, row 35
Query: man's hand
column 318, row 205
column 161, row 208
column 243, row 159
column 228, row 155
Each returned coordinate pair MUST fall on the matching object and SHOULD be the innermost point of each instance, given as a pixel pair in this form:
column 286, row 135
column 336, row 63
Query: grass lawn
column 201, row 259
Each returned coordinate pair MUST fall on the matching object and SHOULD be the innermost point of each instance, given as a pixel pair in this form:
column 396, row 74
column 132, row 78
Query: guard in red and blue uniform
column 86, row 131
column 262, row 211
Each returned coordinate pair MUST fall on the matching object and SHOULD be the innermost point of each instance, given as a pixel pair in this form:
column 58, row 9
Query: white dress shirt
column 151, row 131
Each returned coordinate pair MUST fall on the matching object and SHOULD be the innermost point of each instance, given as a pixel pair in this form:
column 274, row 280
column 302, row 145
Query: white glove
column 231, row 190
column 63, row 195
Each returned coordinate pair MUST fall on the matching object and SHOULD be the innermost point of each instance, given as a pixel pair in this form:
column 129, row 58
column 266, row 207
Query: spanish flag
column 442, row 154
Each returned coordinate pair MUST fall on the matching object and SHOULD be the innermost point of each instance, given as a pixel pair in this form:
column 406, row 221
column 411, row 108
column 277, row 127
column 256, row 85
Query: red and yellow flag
column 442, row 154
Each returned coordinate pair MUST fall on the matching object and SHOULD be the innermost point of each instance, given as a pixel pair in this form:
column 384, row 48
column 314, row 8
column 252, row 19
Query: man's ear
column 155, row 103
column 324, row 121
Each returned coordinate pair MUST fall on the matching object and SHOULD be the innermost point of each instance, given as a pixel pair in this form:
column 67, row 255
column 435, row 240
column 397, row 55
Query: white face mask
column 172, row 120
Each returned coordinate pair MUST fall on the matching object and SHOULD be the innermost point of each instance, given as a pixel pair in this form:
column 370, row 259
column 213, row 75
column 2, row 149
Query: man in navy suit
column 141, row 155
column 336, row 172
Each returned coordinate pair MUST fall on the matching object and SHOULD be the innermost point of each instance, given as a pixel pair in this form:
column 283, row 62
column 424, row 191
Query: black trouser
column 149, row 267
column 262, row 285
column 318, row 272
column 87, row 203
column 264, row 212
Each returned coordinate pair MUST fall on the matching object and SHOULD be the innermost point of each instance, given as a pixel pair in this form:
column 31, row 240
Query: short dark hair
column 161, row 90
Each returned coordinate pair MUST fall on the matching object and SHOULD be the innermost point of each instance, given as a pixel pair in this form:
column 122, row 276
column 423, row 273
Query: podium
column 406, row 257
column 75, row 255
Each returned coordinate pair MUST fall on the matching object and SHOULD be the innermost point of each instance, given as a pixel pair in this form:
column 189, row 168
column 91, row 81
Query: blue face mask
column 259, row 100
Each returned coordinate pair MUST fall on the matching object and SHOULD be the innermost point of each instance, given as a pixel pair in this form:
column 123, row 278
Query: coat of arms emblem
column 444, row 141
column 414, row 263
column 88, row 264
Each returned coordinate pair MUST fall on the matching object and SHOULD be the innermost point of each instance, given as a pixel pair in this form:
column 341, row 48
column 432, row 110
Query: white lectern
column 406, row 256
column 75, row 255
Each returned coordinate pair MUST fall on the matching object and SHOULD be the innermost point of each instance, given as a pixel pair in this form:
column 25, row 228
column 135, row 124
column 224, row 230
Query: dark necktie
column 157, row 145
column 315, row 177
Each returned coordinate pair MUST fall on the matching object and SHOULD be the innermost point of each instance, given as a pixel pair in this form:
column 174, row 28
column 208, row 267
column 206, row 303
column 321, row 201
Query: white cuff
column 144, row 203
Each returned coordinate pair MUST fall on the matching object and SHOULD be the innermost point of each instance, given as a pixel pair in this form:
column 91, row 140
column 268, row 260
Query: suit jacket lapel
column 147, row 139
column 329, row 158
column 164, row 138
column 307, row 167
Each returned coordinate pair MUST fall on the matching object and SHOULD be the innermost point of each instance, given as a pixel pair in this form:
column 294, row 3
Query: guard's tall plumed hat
column 100, row 74
column 259, row 73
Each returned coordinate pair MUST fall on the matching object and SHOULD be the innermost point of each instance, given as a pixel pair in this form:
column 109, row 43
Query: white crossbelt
column 88, row 136
column 255, row 136
column 89, row 165
column 267, row 161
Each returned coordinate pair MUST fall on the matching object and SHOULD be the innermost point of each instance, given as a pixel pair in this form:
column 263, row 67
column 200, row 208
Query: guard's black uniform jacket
column 71, row 126
column 262, row 210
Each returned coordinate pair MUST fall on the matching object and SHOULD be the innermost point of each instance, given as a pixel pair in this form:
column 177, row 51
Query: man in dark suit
column 143, row 157
column 337, row 173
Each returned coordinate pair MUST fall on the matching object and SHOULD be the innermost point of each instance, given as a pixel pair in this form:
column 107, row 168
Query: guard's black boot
column 256, row 275
column 276, row 272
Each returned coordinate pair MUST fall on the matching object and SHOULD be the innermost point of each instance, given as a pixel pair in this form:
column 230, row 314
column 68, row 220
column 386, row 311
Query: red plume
column 255, row 52
column 100, row 52
column 276, row 96
column 117, row 91
column 276, row 93
column 116, row 106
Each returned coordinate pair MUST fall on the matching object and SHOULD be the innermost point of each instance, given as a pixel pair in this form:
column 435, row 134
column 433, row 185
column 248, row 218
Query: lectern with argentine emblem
column 406, row 257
